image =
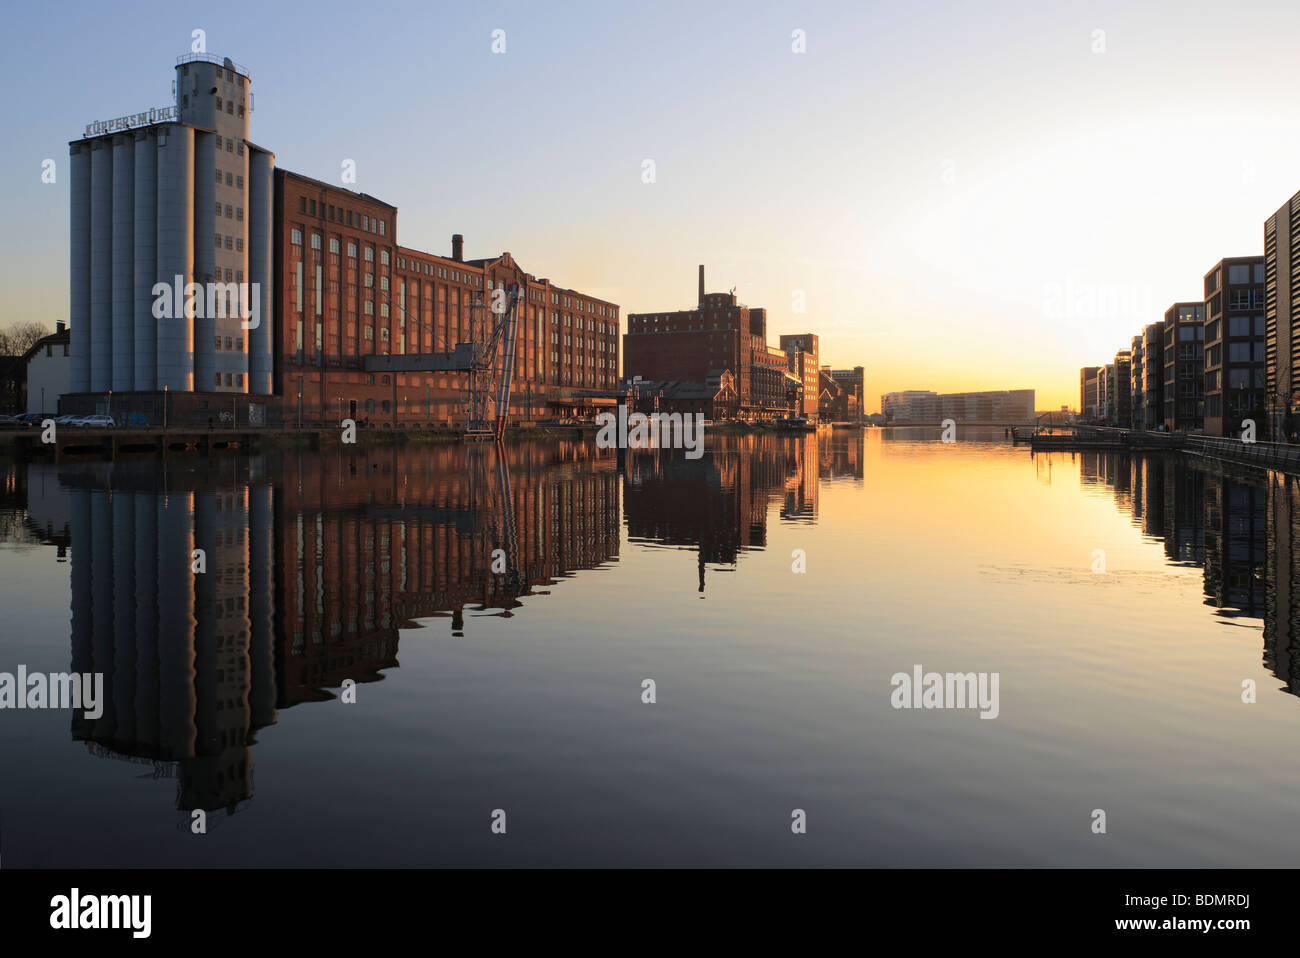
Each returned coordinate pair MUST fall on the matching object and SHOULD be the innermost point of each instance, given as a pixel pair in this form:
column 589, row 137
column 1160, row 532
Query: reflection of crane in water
column 488, row 359
column 496, row 538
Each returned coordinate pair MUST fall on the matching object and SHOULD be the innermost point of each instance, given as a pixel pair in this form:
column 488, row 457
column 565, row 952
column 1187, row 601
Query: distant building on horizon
column 919, row 406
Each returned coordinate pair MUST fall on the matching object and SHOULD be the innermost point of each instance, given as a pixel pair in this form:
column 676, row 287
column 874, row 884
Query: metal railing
column 212, row 58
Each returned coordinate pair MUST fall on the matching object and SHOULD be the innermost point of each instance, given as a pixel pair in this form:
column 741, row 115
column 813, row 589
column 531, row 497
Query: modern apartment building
column 1282, row 318
column 1088, row 391
column 1137, row 385
column 1153, row 375
column 1235, row 364
column 1184, row 367
column 1120, row 411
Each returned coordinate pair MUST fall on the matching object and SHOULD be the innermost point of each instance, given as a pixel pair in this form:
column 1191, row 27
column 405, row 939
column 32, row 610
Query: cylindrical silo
column 146, row 260
column 79, row 262
column 261, row 339
column 205, row 230
column 101, row 266
column 123, row 262
column 176, row 250
column 176, row 625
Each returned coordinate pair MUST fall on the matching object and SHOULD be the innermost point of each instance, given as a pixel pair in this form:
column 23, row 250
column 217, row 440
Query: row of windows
column 367, row 223
column 231, row 179
column 230, row 107
column 232, row 146
column 232, row 379
column 237, row 345
column 441, row 272
column 232, row 212
column 236, row 243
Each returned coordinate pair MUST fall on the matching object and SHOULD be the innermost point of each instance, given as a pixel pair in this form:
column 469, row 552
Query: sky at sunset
column 969, row 196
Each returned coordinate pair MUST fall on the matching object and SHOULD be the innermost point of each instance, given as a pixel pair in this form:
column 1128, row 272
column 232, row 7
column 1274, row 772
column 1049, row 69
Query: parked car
column 34, row 418
column 10, row 422
column 66, row 420
column 95, row 422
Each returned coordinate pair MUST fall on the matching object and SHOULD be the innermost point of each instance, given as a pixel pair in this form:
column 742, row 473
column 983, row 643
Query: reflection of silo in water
column 218, row 776
column 82, row 605
column 124, row 624
column 176, row 625
column 261, row 532
column 101, row 591
column 146, row 622
column 187, row 659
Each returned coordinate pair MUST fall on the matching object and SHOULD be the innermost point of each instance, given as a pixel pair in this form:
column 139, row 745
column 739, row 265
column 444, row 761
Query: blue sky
column 938, row 179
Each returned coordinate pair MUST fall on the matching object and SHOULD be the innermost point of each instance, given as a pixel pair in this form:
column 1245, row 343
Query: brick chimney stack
column 457, row 247
column 701, row 302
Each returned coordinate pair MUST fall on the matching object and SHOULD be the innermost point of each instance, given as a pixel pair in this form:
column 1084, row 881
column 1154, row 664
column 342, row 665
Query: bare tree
column 20, row 337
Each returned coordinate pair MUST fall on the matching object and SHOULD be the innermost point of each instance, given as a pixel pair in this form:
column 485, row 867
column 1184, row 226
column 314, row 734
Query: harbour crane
column 488, row 359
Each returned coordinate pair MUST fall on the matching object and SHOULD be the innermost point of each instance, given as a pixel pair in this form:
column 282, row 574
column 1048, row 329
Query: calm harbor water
column 521, row 690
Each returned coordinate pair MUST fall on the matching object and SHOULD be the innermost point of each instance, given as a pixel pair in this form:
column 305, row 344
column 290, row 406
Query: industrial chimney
column 701, row 302
column 457, row 247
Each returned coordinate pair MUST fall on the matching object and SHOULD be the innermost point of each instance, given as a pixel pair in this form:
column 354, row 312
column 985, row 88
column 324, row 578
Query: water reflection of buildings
column 313, row 564
column 1242, row 527
column 370, row 543
column 718, row 505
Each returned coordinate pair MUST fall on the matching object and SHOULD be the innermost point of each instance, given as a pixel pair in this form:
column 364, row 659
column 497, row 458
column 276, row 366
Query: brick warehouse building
column 352, row 300
column 338, row 300
column 718, row 334
column 805, row 365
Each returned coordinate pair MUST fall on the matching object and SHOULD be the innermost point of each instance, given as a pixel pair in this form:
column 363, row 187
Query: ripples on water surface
column 522, row 691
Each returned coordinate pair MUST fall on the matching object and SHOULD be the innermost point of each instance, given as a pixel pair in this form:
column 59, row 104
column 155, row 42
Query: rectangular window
column 295, row 237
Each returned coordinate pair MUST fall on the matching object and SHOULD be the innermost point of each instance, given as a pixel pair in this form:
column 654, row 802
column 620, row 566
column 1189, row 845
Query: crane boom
column 511, row 323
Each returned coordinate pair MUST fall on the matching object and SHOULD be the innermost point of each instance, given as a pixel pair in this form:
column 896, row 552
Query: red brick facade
column 719, row 334
column 346, row 290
